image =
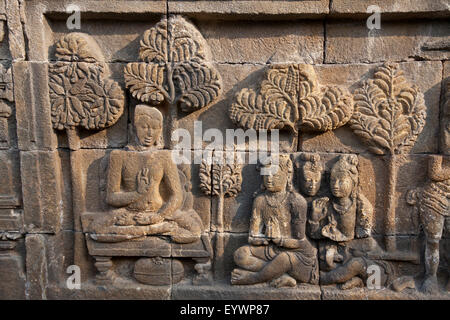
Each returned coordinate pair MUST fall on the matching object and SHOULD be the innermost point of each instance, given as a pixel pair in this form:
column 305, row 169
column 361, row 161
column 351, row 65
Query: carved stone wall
column 89, row 185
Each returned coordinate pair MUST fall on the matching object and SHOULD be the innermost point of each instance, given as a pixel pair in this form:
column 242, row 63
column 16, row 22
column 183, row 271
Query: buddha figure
column 348, row 214
column 143, row 183
column 310, row 174
column 278, row 250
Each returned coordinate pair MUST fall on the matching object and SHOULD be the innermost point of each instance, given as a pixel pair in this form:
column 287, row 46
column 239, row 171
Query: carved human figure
column 356, row 271
column 348, row 214
column 278, row 249
column 434, row 211
column 136, row 178
column 310, row 174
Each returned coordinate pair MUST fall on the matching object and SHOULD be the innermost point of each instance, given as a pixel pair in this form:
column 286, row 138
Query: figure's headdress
column 348, row 164
column 283, row 161
column 311, row 163
column 145, row 110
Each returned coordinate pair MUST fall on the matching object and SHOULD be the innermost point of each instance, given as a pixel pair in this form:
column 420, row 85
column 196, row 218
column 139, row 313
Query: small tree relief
column 389, row 116
column 222, row 179
column 290, row 97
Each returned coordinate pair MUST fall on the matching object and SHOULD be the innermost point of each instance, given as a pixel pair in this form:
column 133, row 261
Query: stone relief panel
column 359, row 182
column 148, row 198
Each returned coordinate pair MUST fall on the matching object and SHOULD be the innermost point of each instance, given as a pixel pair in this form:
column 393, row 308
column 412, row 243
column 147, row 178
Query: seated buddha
column 137, row 179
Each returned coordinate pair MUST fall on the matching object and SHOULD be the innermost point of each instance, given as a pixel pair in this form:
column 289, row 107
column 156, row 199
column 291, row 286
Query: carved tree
column 290, row 97
column 176, row 67
column 220, row 178
column 79, row 93
column 389, row 116
column 81, row 96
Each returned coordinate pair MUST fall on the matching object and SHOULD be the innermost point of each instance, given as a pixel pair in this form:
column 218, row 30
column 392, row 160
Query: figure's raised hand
column 319, row 209
column 143, row 182
column 332, row 221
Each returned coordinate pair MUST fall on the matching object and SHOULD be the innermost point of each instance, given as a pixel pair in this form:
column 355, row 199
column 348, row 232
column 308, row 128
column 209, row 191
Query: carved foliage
column 389, row 113
column 291, row 97
column 176, row 67
column 79, row 93
column 220, row 178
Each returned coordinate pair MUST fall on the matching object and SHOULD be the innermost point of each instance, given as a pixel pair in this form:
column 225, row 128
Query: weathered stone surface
column 37, row 268
column 120, row 290
column 256, row 42
column 89, row 176
column 10, row 189
column 14, row 16
column 350, row 42
column 34, row 128
column 250, row 8
column 257, row 292
column 425, row 8
column 41, row 191
column 332, row 293
column 11, row 215
column 13, row 274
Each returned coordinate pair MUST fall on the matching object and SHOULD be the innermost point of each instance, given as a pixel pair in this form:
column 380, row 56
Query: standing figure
column 278, row 250
column 434, row 212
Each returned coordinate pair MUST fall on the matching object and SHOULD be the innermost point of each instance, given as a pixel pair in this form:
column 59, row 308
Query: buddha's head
column 310, row 174
column 148, row 124
column 344, row 177
column 278, row 174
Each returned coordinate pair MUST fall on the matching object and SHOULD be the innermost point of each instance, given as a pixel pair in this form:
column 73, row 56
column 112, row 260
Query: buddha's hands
column 125, row 219
column 287, row 242
column 258, row 241
column 144, row 218
column 143, row 182
column 319, row 209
